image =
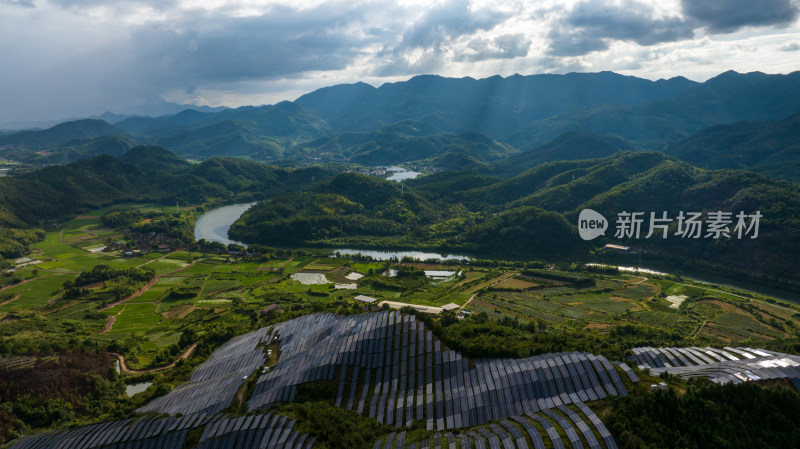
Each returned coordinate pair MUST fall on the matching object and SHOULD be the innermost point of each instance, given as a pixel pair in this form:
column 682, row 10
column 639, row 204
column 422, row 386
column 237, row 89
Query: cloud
column 444, row 33
column 507, row 46
column 68, row 58
column 792, row 46
column 727, row 16
column 591, row 24
column 23, row 3
column 419, row 61
column 82, row 5
column 445, row 22
column 284, row 42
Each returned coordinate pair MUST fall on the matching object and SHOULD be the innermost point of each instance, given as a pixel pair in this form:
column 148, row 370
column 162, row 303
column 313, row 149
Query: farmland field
column 192, row 287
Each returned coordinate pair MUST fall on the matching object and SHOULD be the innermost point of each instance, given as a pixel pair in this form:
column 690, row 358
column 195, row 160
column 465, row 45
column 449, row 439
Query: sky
column 75, row 58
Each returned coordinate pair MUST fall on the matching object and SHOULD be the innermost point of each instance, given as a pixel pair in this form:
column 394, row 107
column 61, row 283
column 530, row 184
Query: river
column 397, row 254
column 213, row 225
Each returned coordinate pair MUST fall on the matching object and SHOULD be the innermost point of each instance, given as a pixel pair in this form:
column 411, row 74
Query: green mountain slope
column 346, row 205
column 535, row 213
column 227, row 138
column 658, row 123
column 769, row 147
column 72, row 150
column 522, row 112
column 570, row 145
column 393, row 147
column 154, row 158
column 59, row 134
column 53, row 193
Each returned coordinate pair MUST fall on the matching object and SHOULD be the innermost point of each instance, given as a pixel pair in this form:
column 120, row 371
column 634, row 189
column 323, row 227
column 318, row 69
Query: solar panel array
column 148, row 433
column 214, row 383
column 720, row 365
column 535, row 431
column 254, row 431
column 385, row 365
column 390, row 367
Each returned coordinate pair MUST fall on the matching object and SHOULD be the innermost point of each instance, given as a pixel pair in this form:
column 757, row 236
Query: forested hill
column 144, row 174
column 535, row 213
column 512, row 122
column 771, row 147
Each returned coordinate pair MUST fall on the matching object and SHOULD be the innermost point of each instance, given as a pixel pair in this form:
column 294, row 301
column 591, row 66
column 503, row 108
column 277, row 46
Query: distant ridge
column 61, row 133
column 544, row 117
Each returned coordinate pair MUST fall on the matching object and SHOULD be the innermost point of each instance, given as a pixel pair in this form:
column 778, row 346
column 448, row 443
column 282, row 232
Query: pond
column 400, row 173
column 213, row 225
column 133, row 389
column 397, row 254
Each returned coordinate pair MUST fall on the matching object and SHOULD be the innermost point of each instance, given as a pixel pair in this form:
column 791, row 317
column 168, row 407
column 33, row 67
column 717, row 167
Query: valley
column 375, row 268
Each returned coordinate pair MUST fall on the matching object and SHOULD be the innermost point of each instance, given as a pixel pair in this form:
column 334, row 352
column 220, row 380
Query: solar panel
column 702, row 355
column 389, row 441
column 614, row 376
column 478, row 440
column 582, row 427
column 298, row 443
column 579, row 380
column 551, row 431
column 505, row 439
column 572, row 435
column 536, row 439
column 629, row 372
column 605, row 435
column 693, row 359
column 669, row 357
column 603, row 374
column 494, row 442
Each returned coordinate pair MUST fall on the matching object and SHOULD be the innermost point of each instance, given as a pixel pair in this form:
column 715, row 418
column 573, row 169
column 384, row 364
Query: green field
column 198, row 290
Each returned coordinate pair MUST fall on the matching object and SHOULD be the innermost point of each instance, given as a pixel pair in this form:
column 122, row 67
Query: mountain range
column 733, row 120
column 485, row 211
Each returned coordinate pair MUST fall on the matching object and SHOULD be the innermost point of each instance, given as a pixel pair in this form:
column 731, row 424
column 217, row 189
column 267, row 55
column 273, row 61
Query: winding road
column 123, row 366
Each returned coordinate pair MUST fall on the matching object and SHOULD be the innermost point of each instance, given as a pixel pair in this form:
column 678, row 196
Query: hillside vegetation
column 518, row 121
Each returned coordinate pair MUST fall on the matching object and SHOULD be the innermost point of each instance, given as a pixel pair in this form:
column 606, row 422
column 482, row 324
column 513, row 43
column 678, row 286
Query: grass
column 36, row 293
column 159, row 320
column 135, row 318
column 741, row 321
column 364, row 268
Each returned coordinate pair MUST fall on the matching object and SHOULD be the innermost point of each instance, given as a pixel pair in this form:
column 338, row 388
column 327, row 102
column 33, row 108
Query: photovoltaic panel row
column 398, row 372
column 254, row 432
column 720, row 365
column 520, row 432
column 214, row 383
column 401, row 373
column 151, row 433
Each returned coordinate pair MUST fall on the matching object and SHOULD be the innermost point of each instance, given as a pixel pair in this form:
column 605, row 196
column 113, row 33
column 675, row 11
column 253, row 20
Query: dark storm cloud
column 507, row 46
column 727, row 16
column 281, row 43
column 590, row 25
column 571, row 42
column 448, row 21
